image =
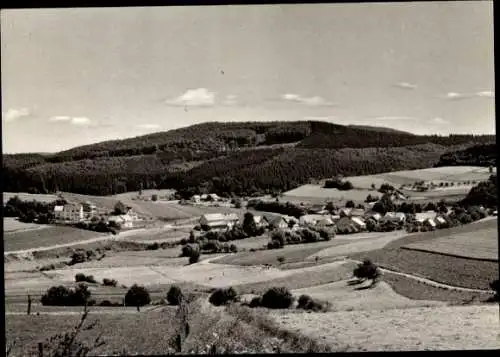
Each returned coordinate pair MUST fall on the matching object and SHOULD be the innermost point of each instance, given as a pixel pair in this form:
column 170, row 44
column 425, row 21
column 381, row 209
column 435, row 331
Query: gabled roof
column 420, row 217
column 359, row 221
column 259, row 219
column 221, row 217
column 325, row 220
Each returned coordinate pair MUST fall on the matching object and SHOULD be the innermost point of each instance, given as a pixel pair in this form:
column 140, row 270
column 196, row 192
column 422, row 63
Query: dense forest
column 477, row 155
column 229, row 158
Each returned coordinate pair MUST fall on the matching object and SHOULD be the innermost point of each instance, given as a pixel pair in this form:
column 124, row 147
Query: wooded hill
column 241, row 158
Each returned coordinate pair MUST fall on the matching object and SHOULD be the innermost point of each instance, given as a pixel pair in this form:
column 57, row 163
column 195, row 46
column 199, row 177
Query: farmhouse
column 219, row 220
column 278, row 223
column 89, row 209
column 441, row 221
column 359, row 223
column 373, row 215
column 261, row 221
column 325, row 222
column 69, row 213
column 347, row 225
column 422, row 217
column 310, row 219
column 123, row 220
column 430, row 222
column 395, row 217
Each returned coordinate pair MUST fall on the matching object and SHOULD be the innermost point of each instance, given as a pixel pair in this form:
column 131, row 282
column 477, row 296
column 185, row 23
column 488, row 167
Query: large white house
column 69, row 213
column 219, row 220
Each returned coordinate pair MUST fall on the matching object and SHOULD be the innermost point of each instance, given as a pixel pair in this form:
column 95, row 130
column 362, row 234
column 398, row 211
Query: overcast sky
column 77, row 76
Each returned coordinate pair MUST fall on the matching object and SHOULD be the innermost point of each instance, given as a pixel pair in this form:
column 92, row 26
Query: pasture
column 363, row 185
column 39, row 238
column 29, row 197
column 482, row 244
column 11, row 225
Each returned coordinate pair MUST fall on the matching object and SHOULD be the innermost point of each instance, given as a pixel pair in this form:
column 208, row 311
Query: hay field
column 344, row 297
column 419, row 328
column 481, row 244
column 11, row 225
column 40, row 238
column 29, row 197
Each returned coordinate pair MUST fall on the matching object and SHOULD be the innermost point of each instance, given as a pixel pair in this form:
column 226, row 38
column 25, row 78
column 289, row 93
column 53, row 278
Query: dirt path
column 428, row 281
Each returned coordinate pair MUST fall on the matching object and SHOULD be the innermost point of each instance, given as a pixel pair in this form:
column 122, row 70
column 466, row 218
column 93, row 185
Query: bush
column 62, row 296
column 366, row 270
column 233, row 248
column 279, row 236
column 137, row 296
column 189, row 249
column 184, row 241
column 153, row 246
column 174, row 295
column 85, row 278
column 309, row 236
column 307, row 303
column 274, row 244
column 109, row 282
column 281, row 260
column 255, row 302
column 277, row 298
column 223, row 296
column 194, row 257
column 212, row 246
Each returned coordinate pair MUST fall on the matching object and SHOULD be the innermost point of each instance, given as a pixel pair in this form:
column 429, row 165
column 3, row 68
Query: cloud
column 200, row 97
column 393, row 118
column 488, row 94
column 315, row 101
column 14, row 114
column 230, row 100
column 148, row 126
column 440, row 121
column 60, row 118
column 406, row 85
column 481, row 94
column 72, row 120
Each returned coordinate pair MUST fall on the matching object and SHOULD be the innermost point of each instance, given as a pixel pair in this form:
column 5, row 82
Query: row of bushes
column 305, row 235
column 82, row 278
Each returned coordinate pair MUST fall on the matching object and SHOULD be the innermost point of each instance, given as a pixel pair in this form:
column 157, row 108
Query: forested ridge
column 241, row 158
column 477, row 155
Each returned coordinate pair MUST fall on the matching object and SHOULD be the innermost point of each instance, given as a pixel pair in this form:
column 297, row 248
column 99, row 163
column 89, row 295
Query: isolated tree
column 367, row 271
column 137, row 296
column 120, row 208
column 249, row 226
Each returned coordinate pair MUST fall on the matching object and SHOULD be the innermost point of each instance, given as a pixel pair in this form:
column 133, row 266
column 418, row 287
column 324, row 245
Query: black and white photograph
column 249, row 179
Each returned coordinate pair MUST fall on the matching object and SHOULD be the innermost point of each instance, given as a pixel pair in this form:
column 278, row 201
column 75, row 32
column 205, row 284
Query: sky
column 77, row 76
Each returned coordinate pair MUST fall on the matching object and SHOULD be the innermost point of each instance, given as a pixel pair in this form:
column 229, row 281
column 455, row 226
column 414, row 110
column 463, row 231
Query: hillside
column 478, row 155
column 243, row 158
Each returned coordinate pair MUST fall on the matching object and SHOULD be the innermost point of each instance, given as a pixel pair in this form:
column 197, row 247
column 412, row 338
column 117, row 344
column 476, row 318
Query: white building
column 69, row 213
column 219, row 220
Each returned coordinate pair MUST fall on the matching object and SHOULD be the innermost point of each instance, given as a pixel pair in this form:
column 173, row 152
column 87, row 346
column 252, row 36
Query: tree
column 277, row 298
column 120, row 208
column 174, row 295
column 367, row 270
column 154, row 197
column 350, row 204
column 137, row 296
column 249, row 225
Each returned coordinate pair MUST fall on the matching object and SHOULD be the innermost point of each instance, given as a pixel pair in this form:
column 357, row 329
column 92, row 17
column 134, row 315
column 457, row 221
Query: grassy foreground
column 233, row 329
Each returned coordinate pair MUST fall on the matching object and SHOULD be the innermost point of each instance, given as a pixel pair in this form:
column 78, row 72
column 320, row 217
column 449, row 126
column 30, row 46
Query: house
column 310, row 219
column 219, row 220
column 290, row 221
column 441, row 221
column 69, row 213
column 345, row 212
column 430, row 222
column 351, row 212
column 316, row 208
column 395, row 217
column 261, row 221
column 278, row 223
column 346, row 225
column 89, row 209
column 325, row 222
column 373, row 215
column 123, row 220
column 196, row 198
column 422, row 217
column 359, row 223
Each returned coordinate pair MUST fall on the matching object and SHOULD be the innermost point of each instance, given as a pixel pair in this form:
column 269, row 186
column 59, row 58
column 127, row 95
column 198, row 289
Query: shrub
column 223, row 296
column 194, row 257
column 233, row 248
column 189, row 249
column 153, row 246
column 255, row 302
column 307, row 303
column 62, row 296
column 212, row 246
column 85, row 278
column 277, row 298
column 109, row 282
column 174, row 295
column 137, row 296
column 274, row 244
column 279, row 236
column 366, row 270
column 350, row 204
column 309, row 236
column 281, row 259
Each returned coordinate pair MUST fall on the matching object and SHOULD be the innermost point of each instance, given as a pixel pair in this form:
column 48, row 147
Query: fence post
column 29, row 304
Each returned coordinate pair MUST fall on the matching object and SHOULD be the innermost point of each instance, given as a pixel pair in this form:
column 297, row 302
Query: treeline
column 243, row 173
column 31, row 211
column 485, row 193
column 478, row 155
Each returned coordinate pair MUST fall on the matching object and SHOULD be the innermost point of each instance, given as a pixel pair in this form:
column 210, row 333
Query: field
column 363, row 185
column 39, row 238
column 29, row 197
column 11, row 225
column 483, row 244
